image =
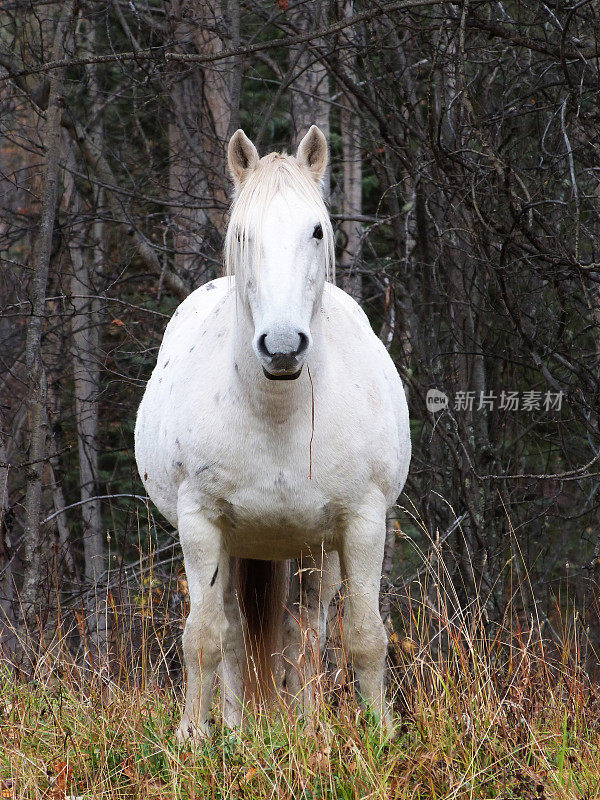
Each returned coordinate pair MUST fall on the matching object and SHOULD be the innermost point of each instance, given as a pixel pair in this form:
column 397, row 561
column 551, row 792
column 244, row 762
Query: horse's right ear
column 312, row 153
column 242, row 157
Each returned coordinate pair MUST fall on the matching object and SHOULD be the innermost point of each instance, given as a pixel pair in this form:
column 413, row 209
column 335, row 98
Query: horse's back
column 194, row 310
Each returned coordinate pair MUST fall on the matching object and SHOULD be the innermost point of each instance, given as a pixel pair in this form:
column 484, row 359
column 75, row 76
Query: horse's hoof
column 189, row 731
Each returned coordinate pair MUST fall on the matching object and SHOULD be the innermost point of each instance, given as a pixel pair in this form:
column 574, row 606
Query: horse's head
column 279, row 245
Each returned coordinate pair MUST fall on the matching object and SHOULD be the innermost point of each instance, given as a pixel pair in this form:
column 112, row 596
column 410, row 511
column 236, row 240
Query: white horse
column 274, row 427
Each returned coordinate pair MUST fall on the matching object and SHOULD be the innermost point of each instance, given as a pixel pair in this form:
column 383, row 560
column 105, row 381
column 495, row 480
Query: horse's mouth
column 284, row 377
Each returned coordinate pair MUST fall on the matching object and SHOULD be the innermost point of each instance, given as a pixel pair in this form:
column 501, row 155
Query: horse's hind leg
column 364, row 636
column 205, row 631
column 312, row 589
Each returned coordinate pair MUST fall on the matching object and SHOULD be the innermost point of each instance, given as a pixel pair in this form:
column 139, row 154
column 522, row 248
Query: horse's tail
column 262, row 594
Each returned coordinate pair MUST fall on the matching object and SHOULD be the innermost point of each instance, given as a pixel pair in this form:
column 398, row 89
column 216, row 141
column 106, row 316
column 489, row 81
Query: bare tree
column 7, row 620
column 309, row 97
column 351, row 204
column 204, row 103
column 36, row 390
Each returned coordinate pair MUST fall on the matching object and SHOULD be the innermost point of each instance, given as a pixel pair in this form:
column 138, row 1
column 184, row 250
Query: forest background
column 464, row 189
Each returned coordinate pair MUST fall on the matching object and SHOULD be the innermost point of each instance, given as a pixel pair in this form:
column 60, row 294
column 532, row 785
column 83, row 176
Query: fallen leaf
column 58, row 788
column 7, row 789
column 118, row 322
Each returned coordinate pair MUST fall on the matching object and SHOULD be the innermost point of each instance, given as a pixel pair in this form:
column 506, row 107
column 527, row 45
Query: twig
column 36, row 461
column 90, row 499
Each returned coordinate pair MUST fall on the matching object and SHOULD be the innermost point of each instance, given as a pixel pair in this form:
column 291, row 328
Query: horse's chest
column 278, row 497
column 278, row 514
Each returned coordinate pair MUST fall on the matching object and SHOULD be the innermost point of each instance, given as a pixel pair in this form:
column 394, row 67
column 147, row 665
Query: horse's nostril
column 303, row 343
column 262, row 346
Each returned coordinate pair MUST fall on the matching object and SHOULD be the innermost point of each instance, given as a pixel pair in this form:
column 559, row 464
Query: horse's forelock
column 275, row 173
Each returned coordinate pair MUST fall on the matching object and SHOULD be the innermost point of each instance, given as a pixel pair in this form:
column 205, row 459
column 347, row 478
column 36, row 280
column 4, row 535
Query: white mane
column 275, row 173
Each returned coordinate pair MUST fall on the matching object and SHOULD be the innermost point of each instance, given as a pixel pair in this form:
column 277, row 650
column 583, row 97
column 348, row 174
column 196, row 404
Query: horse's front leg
column 234, row 656
column 364, row 636
column 206, row 628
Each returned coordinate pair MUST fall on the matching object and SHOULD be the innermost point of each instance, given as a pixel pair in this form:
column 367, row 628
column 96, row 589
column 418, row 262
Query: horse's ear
column 242, row 157
column 312, row 152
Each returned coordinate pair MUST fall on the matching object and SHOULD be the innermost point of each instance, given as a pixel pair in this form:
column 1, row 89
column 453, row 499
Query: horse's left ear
column 312, row 152
column 242, row 157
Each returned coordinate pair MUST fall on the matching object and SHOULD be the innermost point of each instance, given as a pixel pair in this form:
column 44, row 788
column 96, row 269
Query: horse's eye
column 318, row 232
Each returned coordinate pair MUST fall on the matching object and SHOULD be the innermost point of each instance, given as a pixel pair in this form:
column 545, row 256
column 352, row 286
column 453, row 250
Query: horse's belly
column 278, row 531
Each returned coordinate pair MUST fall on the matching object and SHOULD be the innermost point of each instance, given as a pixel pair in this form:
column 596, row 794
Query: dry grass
column 480, row 712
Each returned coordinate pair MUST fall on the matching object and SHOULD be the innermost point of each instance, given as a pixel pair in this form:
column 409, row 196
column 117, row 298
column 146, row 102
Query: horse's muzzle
column 283, row 377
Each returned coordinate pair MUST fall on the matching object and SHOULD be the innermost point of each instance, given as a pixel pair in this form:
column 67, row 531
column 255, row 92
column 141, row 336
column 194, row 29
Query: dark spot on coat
column 178, row 464
column 227, row 510
column 192, row 347
column 280, row 481
column 200, row 470
column 166, row 363
column 236, row 368
column 145, row 476
column 217, row 397
column 178, row 443
column 160, row 380
column 330, row 513
column 214, row 577
column 176, row 313
column 209, row 288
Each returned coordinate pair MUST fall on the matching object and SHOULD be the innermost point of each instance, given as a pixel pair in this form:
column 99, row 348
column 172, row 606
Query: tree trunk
column 7, row 620
column 86, row 323
column 187, row 178
column 309, row 95
column 468, row 368
column 350, row 278
column 36, row 391
column 86, row 360
column 205, row 103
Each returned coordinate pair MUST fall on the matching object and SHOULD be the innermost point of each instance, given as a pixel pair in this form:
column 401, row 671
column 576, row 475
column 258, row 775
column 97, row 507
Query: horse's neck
column 280, row 399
